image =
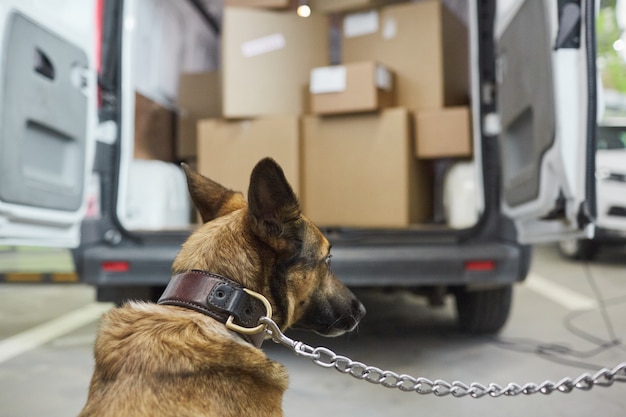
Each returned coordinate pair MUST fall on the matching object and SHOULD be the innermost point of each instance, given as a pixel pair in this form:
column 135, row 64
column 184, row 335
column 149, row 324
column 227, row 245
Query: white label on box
column 390, row 28
column 383, row 78
column 263, row 45
column 328, row 79
column 359, row 24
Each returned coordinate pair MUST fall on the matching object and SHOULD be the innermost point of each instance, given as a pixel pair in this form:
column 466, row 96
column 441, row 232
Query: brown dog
column 175, row 359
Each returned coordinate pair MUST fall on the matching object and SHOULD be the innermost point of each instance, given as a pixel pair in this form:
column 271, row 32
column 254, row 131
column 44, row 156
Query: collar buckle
column 247, row 330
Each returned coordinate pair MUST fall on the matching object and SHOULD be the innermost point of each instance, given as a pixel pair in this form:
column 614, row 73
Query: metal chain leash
column 326, row 358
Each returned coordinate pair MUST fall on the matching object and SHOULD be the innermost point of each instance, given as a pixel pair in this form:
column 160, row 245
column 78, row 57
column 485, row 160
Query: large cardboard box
column 361, row 171
column 154, row 130
column 199, row 97
column 357, row 87
column 443, row 133
column 424, row 44
column 228, row 150
column 267, row 57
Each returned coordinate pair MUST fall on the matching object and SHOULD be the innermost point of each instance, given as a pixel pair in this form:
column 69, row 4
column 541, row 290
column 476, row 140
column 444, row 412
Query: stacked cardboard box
column 360, row 171
column 267, row 57
column 423, row 43
column 443, row 133
column 426, row 46
column 363, row 86
column 229, row 149
column 359, row 168
column 344, row 134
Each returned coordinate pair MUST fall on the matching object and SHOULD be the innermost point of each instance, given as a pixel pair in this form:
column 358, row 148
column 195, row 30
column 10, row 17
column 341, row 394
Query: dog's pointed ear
column 272, row 203
column 210, row 198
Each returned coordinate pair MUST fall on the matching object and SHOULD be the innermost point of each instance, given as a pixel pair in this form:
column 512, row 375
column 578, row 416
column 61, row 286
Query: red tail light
column 480, row 265
column 115, row 266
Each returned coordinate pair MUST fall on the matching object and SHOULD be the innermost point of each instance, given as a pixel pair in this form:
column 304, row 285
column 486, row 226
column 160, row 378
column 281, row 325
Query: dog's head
column 269, row 246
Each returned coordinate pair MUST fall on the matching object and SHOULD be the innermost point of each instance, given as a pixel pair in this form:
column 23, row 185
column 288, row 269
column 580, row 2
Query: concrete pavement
column 546, row 338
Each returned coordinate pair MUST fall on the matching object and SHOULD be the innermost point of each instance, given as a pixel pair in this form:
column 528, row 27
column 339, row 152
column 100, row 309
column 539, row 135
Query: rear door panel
column 526, row 98
column 543, row 104
column 47, row 114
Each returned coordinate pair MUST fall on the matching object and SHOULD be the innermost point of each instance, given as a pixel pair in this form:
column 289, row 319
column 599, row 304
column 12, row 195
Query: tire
column 578, row 249
column 483, row 311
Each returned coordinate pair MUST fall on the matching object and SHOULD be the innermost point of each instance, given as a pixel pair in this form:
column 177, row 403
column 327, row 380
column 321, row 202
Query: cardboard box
column 228, row 150
column 199, row 97
column 336, row 6
column 154, row 130
column 443, row 133
column 424, row 44
column 361, row 171
column 358, row 87
column 267, row 57
column 200, row 94
column 269, row 4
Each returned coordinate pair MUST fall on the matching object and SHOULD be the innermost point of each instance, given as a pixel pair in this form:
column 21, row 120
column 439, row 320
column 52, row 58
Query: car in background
column 610, row 196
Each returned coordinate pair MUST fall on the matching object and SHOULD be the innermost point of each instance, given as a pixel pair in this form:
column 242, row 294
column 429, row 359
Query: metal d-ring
column 250, row 330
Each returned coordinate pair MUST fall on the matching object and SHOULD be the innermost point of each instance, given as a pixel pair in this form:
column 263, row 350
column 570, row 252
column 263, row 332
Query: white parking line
column 567, row 298
column 38, row 335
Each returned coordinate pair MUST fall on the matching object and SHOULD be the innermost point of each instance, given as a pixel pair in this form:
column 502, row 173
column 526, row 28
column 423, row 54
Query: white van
column 67, row 86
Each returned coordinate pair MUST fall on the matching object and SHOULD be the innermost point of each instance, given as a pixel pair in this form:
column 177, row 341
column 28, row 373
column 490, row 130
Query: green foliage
column 610, row 63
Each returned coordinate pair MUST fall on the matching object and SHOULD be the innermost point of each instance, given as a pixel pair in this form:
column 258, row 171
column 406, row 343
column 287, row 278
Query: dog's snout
column 357, row 313
column 358, row 309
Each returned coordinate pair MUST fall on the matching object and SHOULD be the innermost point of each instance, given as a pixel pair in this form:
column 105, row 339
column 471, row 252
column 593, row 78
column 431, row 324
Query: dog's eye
column 327, row 259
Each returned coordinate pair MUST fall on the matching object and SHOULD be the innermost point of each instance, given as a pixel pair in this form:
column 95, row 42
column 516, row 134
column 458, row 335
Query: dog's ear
column 210, row 198
column 273, row 206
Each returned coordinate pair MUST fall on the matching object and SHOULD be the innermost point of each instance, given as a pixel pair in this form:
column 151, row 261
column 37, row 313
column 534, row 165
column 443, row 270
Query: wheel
column 579, row 249
column 483, row 311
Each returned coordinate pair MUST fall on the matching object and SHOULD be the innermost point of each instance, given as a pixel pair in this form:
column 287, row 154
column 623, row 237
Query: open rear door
column 47, row 119
column 546, row 88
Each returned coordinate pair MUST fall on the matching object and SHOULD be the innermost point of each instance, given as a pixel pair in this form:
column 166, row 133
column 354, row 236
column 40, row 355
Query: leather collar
column 218, row 297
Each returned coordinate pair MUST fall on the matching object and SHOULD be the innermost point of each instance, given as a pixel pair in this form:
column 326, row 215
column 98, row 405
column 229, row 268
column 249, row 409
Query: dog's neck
column 217, row 297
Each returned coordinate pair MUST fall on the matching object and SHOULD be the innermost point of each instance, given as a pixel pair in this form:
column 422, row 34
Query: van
column 70, row 87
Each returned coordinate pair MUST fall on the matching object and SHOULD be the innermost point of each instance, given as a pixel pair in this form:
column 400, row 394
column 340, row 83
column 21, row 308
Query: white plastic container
column 157, row 196
column 460, row 199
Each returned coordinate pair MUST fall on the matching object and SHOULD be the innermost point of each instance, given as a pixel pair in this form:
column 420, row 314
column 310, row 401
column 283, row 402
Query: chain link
column 326, row 358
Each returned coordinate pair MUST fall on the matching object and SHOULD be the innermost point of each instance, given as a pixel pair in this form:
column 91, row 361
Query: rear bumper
column 432, row 265
column 147, row 266
column 356, row 265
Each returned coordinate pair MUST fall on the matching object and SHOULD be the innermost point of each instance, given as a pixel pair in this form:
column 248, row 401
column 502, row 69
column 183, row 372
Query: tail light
column 480, row 265
column 115, row 266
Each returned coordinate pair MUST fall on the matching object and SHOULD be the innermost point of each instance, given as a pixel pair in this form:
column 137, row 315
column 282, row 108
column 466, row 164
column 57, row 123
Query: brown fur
column 156, row 360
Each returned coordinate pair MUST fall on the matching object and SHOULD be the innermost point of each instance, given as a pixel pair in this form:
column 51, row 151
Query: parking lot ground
column 552, row 333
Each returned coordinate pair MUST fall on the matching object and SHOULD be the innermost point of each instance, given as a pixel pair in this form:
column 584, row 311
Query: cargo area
column 366, row 105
